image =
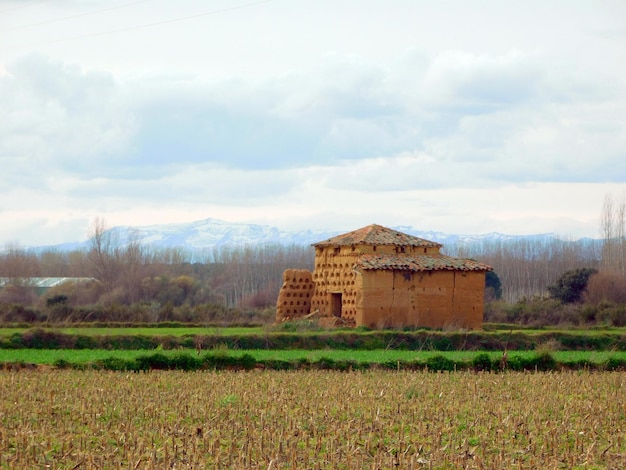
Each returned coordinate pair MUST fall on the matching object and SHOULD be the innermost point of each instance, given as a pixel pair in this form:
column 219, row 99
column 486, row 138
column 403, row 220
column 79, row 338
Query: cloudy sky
column 456, row 116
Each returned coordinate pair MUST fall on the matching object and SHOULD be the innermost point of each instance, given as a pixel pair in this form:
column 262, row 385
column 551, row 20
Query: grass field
column 50, row 356
column 311, row 419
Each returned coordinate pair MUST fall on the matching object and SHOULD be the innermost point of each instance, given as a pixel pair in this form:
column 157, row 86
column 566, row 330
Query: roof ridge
column 375, row 234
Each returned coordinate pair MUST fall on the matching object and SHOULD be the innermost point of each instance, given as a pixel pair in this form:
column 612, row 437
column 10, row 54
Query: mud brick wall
column 436, row 299
column 294, row 298
column 334, row 274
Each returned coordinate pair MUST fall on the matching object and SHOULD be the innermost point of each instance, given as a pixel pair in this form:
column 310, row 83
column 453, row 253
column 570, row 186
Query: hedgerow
column 421, row 340
column 540, row 362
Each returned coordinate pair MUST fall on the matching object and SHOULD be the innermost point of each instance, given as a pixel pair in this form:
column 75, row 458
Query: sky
column 463, row 117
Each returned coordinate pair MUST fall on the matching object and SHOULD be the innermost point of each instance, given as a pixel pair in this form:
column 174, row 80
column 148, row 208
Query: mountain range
column 210, row 233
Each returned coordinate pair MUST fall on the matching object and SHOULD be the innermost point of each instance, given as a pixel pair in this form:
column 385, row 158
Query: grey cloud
column 185, row 184
column 55, row 116
column 467, row 113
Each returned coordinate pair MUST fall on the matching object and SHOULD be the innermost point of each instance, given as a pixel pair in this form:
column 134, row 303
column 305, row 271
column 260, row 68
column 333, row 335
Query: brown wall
column 294, row 298
column 434, row 299
column 392, row 250
column 335, row 282
column 469, row 298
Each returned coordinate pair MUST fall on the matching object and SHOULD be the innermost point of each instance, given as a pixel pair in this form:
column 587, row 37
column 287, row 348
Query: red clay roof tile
column 417, row 263
column 376, row 235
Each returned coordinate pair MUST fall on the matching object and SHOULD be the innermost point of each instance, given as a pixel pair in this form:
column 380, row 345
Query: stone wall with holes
column 294, row 298
column 336, row 290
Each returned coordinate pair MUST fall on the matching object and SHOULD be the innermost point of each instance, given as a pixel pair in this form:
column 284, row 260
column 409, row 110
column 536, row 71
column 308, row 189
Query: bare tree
column 15, row 262
column 608, row 233
column 612, row 228
column 103, row 254
column 132, row 261
column 527, row 267
column 620, row 248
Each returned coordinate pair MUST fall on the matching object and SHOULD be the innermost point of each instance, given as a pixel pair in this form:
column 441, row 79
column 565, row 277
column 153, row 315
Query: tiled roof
column 417, row 263
column 376, row 235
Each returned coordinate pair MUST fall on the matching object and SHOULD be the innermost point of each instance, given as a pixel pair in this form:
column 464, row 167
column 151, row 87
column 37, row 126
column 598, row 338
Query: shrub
column 116, row 363
column 326, row 363
column 62, row 364
column 482, row 362
column 185, row 361
column 543, row 361
column 280, row 364
column 613, row 363
column 16, row 313
column 247, row 361
column 606, row 287
column 440, row 363
column 493, row 286
column 154, row 361
column 16, row 293
column 570, row 286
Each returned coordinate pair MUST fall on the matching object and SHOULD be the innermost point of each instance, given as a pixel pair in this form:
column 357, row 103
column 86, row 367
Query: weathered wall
column 434, row 299
column 335, row 282
column 294, row 298
column 469, row 298
column 394, row 250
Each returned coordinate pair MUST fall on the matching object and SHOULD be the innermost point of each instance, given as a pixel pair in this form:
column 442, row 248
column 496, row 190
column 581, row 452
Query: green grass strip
column 83, row 356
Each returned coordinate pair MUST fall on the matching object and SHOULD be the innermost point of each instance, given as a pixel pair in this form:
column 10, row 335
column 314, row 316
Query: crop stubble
column 311, row 419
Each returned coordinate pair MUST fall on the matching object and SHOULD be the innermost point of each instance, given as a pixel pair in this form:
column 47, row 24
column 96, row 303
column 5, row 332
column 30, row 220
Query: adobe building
column 378, row 277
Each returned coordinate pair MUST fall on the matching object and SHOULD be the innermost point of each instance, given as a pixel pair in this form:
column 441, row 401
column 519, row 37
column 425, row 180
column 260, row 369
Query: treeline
column 128, row 282
column 527, row 267
column 229, row 276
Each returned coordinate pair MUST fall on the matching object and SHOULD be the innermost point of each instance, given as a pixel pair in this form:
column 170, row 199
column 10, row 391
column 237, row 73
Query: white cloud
column 56, row 116
column 390, row 112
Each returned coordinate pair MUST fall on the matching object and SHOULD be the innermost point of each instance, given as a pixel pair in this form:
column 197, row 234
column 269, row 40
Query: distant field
column 49, row 356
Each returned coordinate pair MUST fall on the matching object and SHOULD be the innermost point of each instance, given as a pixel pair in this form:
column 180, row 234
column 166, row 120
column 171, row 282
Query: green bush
column 543, row 361
column 570, row 286
column 154, row 361
column 326, row 363
column 62, row 364
column 279, row 364
column 247, row 362
column 185, row 361
column 482, row 362
column 440, row 363
column 613, row 363
column 116, row 364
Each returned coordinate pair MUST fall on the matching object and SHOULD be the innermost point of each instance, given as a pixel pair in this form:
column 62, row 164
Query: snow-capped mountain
column 210, row 233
